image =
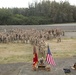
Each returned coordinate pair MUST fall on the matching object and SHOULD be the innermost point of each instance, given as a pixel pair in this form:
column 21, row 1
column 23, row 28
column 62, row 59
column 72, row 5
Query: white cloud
column 72, row 2
column 14, row 3
column 24, row 3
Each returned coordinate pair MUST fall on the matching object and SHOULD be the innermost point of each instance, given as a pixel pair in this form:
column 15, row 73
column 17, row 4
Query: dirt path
column 61, row 63
column 26, row 68
column 10, row 69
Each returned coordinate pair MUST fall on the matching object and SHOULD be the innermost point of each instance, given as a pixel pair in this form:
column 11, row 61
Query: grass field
column 66, row 48
column 18, row 52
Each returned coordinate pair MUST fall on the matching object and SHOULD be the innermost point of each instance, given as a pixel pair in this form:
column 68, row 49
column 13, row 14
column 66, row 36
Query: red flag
column 49, row 57
column 35, row 58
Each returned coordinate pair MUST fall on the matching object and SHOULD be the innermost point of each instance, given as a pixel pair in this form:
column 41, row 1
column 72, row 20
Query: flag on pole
column 35, row 57
column 49, row 58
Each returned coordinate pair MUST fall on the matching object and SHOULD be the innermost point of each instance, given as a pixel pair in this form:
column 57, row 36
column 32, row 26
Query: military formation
column 31, row 36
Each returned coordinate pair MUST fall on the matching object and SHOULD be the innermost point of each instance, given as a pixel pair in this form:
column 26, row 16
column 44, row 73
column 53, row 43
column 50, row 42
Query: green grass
column 66, row 48
column 18, row 52
column 10, row 53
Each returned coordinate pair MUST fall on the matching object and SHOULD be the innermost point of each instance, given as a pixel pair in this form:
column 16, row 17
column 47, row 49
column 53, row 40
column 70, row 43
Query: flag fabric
column 35, row 57
column 49, row 58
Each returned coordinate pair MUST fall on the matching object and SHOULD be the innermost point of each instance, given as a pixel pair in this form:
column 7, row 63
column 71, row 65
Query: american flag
column 49, row 58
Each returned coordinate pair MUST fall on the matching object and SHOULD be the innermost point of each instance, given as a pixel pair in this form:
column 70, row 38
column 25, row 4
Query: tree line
column 44, row 12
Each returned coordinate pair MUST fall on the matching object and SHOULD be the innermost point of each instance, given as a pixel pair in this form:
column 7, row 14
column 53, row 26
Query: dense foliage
column 44, row 12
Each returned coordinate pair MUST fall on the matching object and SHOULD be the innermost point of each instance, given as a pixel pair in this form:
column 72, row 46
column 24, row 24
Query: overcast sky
column 24, row 3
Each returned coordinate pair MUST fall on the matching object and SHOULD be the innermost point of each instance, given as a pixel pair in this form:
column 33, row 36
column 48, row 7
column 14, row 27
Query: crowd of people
column 32, row 36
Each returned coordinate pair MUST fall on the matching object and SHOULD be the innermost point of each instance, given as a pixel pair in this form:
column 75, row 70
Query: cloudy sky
column 24, row 3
